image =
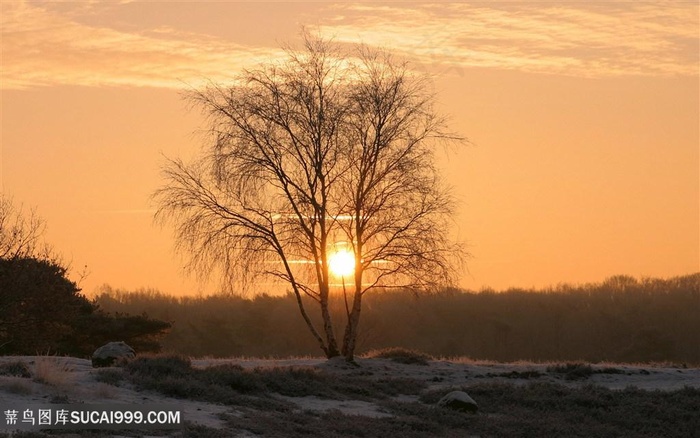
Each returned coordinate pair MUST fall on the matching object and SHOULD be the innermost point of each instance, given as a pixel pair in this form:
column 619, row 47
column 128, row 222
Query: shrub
column 111, row 376
column 401, row 355
column 391, row 387
column 160, row 366
column 233, row 377
column 16, row 368
column 295, row 381
column 572, row 371
column 611, row 370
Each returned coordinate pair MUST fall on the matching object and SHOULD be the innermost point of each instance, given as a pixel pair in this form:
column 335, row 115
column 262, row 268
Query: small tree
column 326, row 150
column 37, row 304
column 42, row 310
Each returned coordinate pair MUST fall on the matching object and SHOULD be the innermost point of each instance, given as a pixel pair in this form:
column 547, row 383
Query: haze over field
column 583, row 119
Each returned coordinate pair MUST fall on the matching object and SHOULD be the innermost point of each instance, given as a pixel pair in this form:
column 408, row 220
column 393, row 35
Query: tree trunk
column 350, row 336
column 327, row 349
column 310, row 324
column 351, row 329
column 331, row 342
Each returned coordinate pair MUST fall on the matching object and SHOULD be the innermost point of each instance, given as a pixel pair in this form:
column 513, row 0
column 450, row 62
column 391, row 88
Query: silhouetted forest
column 621, row 319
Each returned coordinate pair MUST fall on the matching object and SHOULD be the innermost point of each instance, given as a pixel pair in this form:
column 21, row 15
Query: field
column 386, row 393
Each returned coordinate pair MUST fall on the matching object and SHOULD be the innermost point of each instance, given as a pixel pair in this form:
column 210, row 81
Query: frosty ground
column 377, row 396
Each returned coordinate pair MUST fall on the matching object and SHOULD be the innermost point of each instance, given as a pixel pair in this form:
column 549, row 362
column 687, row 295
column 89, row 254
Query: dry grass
column 53, row 371
column 104, row 390
column 16, row 385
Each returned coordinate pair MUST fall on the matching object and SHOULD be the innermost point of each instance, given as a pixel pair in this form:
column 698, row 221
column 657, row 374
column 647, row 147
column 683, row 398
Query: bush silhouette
column 38, row 305
column 41, row 310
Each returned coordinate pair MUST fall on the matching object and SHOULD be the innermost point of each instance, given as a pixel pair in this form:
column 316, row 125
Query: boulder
column 111, row 354
column 459, row 401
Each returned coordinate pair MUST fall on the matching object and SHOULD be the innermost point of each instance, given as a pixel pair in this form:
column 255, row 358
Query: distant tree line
column 621, row 319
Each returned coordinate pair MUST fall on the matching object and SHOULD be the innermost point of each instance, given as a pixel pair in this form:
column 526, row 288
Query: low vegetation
column 533, row 409
column 53, row 371
column 49, row 370
column 401, row 355
column 174, row 376
column 15, row 368
column 572, row 371
column 262, row 402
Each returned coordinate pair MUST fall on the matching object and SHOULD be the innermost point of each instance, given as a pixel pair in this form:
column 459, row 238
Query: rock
column 459, row 401
column 111, row 353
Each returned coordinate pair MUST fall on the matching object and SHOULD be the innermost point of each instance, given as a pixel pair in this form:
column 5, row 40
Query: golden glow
column 570, row 192
column 342, row 263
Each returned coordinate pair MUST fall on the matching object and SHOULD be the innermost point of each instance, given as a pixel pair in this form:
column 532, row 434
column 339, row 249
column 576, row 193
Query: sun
column 342, row 263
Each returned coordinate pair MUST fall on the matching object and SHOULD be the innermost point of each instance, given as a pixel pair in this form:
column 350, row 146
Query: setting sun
column 342, row 263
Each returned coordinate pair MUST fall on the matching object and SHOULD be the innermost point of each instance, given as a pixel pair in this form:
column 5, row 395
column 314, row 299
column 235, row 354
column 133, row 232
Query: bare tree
column 399, row 210
column 323, row 149
column 21, row 233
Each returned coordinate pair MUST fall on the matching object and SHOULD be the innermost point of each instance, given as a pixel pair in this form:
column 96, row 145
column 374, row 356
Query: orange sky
column 584, row 122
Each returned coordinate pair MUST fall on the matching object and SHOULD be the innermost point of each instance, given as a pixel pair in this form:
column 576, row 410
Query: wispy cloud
column 43, row 47
column 579, row 39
